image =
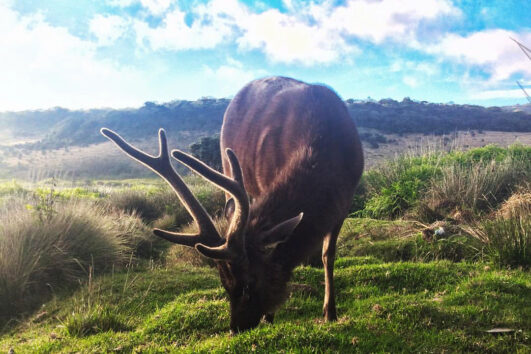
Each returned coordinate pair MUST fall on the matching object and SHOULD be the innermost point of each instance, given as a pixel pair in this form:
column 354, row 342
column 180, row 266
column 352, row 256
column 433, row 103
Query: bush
column 39, row 255
column 397, row 185
column 152, row 204
column 476, row 187
column 507, row 239
column 476, row 179
column 148, row 206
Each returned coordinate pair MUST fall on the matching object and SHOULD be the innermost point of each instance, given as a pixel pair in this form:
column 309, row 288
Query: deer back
column 299, row 150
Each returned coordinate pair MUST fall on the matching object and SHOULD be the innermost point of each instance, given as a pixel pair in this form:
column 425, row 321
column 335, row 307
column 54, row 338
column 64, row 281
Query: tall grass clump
column 152, row 204
column 477, row 179
column 510, row 240
column 397, row 185
column 478, row 186
column 507, row 236
column 148, row 206
column 40, row 254
column 507, row 239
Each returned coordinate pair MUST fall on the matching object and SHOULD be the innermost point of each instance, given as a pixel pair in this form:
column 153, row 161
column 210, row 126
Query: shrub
column 476, row 179
column 179, row 254
column 476, row 187
column 148, row 207
column 152, row 204
column 507, row 239
column 397, row 185
column 39, row 255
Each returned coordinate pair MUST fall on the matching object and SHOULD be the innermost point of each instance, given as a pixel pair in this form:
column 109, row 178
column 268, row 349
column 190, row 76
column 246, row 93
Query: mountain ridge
column 60, row 127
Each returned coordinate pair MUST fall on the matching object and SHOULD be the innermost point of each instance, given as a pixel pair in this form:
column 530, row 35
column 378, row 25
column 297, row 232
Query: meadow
column 435, row 253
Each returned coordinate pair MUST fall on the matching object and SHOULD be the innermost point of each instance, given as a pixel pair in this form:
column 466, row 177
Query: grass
column 399, row 240
column 435, row 253
column 477, row 179
column 41, row 253
column 383, row 307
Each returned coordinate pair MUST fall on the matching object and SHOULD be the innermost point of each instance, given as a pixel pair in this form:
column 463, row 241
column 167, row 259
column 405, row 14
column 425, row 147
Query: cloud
column 44, row 66
column 491, row 50
column 108, row 28
column 377, row 21
column 314, row 33
column 493, row 94
column 206, row 31
column 223, row 79
column 288, row 39
column 411, row 81
column 155, row 7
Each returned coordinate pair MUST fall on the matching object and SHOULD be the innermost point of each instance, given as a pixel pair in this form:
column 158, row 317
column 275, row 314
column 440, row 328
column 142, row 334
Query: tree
column 207, row 150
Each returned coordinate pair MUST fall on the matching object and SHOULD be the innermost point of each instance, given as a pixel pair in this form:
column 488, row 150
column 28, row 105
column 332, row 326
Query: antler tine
column 162, row 166
column 235, row 187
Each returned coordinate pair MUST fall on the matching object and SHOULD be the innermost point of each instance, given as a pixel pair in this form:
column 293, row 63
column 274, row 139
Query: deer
column 292, row 158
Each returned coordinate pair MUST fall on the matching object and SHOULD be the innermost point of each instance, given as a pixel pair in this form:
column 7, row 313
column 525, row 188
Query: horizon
column 118, row 54
column 369, row 99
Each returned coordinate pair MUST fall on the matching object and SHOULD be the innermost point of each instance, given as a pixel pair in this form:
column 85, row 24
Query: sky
column 121, row 53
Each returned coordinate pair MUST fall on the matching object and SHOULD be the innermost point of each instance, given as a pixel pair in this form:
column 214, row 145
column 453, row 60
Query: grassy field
column 435, row 253
column 102, row 160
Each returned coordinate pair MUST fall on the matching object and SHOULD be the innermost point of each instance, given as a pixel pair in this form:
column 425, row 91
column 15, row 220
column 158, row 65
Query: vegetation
column 383, row 307
column 435, row 253
column 438, row 182
column 58, row 127
column 207, row 150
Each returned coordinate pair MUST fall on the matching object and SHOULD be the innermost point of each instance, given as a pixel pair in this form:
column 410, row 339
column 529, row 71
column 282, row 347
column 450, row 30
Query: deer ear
column 229, row 209
column 281, row 232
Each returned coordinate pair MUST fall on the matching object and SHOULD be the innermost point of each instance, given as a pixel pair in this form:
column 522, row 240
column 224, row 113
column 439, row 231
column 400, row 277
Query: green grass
column 475, row 179
column 383, row 307
column 399, row 240
column 401, row 287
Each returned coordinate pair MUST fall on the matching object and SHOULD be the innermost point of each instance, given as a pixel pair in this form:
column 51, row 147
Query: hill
column 58, row 127
column 54, row 142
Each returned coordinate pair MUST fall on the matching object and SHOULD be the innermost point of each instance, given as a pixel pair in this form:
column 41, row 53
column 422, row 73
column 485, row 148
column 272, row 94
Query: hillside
column 435, row 254
column 39, row 144
column 56, row 128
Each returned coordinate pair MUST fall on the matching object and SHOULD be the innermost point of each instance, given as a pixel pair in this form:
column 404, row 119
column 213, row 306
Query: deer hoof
column 329, row 315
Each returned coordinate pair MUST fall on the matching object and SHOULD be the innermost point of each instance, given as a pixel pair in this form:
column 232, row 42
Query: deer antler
column 235, row 241
column 208, row 235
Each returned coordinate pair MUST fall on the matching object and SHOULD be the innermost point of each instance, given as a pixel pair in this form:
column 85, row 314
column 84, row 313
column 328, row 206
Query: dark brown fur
column 300, row 152
column 293, row 151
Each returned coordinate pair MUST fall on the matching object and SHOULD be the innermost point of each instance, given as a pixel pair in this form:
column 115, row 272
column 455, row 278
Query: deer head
column 244, row 253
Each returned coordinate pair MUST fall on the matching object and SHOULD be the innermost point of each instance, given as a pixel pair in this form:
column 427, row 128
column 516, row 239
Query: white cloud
column 314, row 33
column 492, row 50
column 493, row 94
column 108, row 28
column 387, row 19
column 285, row 38
column 223, row 79
column 208, row 31
column 44, row 66
column 155, row 7
column 410, row 81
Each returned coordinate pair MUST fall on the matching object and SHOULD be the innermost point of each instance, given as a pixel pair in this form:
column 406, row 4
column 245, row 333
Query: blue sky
column 121, row 53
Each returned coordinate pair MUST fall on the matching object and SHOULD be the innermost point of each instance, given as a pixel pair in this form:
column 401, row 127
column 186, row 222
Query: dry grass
column 178, row 254
column 464, row 189
column 39, row 255
column 518, row 203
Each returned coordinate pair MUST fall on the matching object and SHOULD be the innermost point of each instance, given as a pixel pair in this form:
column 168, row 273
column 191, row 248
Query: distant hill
column 58, row 127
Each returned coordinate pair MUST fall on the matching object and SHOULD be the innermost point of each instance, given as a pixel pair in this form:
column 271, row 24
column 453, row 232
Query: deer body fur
column 291, row 160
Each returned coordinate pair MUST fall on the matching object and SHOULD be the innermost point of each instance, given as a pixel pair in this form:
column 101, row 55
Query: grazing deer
column 292, row 159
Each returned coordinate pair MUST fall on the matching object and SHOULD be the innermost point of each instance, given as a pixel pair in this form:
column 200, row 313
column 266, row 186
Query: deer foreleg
column 329, row 254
